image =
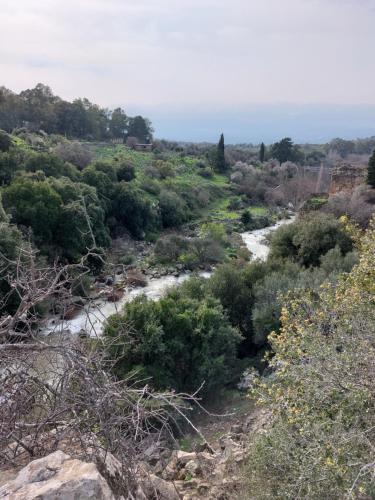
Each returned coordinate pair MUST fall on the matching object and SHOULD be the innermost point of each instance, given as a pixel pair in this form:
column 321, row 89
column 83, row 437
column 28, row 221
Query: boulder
column 192, row 468
column 183, row 457
column 155, row 487
column 57, row 477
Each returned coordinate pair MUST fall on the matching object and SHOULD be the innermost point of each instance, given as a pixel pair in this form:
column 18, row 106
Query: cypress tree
column 221, row 164
column 371, row 171
column 262, row 152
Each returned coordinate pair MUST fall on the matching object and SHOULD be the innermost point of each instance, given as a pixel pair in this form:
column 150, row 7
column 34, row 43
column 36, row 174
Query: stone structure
column 143, row 147
column 346, row 177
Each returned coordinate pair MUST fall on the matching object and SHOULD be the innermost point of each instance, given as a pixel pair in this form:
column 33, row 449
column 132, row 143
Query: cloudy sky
column 254, row 68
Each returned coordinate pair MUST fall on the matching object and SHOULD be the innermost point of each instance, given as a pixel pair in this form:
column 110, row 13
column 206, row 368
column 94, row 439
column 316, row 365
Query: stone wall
column 346, row 177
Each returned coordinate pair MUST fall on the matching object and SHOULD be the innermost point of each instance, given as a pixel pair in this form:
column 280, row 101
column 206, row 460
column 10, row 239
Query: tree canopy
column 40, row 109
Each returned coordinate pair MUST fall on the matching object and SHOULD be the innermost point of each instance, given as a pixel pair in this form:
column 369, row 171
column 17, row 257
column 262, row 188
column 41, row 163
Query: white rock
column 57, row 477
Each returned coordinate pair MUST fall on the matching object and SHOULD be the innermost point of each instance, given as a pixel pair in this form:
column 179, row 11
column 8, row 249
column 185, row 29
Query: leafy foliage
column 307, row 239
column 181, row 341
column 321, row 439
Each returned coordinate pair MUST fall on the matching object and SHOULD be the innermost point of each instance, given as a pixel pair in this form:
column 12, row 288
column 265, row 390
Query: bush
column 170, row 248
column 75, row 153
column 246, row 218
column 206, row 173
column 125, row 172
column 180, row 341
column 133, row 211
column 307, row 239
column 320, row 441
column 35, row 205
column 51, row 166
column 173, row 209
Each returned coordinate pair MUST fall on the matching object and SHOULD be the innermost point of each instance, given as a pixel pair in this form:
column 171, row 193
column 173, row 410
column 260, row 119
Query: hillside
column 102, row 357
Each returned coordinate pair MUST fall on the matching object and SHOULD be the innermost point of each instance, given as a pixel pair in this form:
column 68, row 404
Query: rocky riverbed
column 88, row 318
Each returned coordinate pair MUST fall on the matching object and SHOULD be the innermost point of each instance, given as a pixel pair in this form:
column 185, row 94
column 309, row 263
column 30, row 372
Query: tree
column 285, row 150
column 246, row 217
column 50, row 165
column 220, row 161
column 118, row 124
column 10, row 163
column 35, row 205
column 371, row 171
column 81, row 221
column 5, row 141
column 262, row 152
column 140, row 128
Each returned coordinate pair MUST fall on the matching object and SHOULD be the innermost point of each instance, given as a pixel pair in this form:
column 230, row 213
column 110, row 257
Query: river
column 93, row 315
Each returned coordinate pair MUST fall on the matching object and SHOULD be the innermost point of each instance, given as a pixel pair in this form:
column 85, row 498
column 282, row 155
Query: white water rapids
column 93, row 315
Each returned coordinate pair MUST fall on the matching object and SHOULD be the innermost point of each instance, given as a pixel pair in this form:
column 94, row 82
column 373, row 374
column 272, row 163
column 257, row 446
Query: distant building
column 143, row 147
column 346, row 177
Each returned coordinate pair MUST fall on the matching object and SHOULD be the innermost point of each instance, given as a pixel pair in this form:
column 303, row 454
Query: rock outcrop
column 57, row 477
column 209, row 472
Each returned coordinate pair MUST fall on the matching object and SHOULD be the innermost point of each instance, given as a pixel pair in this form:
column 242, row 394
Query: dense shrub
column 10, row 164
column 310, row 237
column 133, row 211
column 10, row 247
column 73, row 152
column 181, row 341
column 51, row 166
column 35, row 205
column 125, row 172
column 320, row 442
column 173, row 209
column 170, row 248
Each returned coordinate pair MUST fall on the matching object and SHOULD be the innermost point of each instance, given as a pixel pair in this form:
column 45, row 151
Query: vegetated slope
column 321, row 393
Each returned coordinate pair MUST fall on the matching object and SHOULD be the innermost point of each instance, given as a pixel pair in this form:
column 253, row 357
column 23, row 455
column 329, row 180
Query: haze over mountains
column 256, row 70
column 306, row 123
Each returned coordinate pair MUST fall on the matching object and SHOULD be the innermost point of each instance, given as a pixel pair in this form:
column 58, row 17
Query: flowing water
column 93, row 315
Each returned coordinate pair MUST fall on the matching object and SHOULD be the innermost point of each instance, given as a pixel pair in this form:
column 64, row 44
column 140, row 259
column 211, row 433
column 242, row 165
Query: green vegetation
column 320, row 442
column 43, row 110
column 371, row 171
column 181, row 341
column 245, row 298
column 285, row 150
column 307, row 240
column 262, row 152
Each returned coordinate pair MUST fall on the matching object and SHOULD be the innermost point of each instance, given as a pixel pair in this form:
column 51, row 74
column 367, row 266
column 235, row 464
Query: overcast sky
column 206, row 57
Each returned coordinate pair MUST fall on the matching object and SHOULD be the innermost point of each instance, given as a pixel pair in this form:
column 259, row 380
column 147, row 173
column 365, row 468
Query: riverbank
column 90, row 317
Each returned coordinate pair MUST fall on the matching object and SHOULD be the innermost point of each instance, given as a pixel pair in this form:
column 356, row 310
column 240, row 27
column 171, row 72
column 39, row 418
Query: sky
column 254, row 69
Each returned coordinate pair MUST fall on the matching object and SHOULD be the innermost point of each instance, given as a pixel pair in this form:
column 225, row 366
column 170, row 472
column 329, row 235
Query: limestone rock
column 57, row 477
column 185, row 456
column 155, row 487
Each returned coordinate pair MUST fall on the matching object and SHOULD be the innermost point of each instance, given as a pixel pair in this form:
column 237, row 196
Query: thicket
column 182, row 341
column 320, row 396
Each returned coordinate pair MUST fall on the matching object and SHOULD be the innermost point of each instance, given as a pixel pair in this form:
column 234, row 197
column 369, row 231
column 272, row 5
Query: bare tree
column 58, row 392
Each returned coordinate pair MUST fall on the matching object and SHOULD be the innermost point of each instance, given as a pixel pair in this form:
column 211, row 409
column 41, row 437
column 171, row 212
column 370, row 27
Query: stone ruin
column 345, row 177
